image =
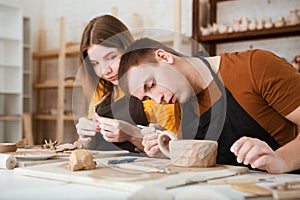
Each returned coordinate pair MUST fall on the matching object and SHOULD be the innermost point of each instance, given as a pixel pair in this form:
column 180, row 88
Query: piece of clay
column 193, row 153
column 7, row 161
column 81, row 159
column 62, row 147
column 65, row 147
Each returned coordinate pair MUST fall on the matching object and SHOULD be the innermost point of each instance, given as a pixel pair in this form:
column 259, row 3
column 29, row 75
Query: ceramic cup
column 188, row 153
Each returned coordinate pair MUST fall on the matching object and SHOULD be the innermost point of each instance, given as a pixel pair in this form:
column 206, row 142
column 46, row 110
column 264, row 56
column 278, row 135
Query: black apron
column 235, row 123
column 129, row 109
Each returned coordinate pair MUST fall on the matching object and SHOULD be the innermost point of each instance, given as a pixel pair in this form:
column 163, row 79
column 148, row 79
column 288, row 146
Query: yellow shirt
column 163, row 114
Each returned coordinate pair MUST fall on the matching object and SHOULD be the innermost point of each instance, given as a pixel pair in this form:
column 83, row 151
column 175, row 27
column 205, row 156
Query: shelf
column 9, row 66
column 10, row 117
column 10, row 92
column 26, row 72
column 72, row 50
column 54, row 93
column 54, row 84
column 27, row 96
column 26, row 45
column 53, row 117
column 11, row 76
column 9, row 39
column 210, row 41
column 285, row 31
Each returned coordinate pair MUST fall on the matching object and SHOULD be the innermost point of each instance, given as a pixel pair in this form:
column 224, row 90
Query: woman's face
column 105, row 62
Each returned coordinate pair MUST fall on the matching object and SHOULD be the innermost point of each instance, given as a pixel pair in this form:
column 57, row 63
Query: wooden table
column 16, row 186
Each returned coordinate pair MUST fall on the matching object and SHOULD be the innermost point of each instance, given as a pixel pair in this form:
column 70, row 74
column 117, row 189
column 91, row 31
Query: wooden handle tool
column 252, row 189
column 236, row 181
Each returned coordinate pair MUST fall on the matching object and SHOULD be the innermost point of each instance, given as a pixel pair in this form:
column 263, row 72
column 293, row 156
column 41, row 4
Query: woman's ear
column 164, row 56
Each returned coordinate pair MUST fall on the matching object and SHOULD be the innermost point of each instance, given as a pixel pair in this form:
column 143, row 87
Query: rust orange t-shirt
column 264, row 85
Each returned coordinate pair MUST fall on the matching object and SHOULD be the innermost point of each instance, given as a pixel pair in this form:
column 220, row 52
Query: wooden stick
column 252, row 189
column 236, row 181
column 61, row 82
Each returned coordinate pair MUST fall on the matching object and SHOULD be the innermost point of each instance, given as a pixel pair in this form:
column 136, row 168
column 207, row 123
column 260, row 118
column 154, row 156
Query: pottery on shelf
column 214, row 28
column 244, row 24
column 279, row 22
column 260, row 24
column 294, row 18
column 230, row 29
column 204, row 31
column 252, row 25
column 222, row 28
column 268, row 23
column 236, row 26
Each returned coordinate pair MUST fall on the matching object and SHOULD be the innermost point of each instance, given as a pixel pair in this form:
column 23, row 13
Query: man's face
column 158, row 81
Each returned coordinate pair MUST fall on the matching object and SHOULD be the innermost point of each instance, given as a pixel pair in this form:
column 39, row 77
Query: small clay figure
column 81, row 159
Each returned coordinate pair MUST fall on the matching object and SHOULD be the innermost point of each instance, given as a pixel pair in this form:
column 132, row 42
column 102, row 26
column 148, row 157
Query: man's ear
column 164, row 56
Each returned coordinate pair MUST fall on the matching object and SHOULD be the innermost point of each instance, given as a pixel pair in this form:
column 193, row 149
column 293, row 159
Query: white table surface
column 15, row 186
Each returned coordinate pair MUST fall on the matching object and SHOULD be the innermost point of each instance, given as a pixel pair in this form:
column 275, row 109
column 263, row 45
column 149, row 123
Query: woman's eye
column 94, row 63
column 112, row 57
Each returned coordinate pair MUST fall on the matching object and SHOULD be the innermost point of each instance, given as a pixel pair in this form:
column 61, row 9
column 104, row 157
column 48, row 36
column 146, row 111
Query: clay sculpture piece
column 193, row 153
column 81, row 159
column 188, row 153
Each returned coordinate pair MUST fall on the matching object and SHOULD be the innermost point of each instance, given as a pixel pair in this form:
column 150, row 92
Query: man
column 248, row 101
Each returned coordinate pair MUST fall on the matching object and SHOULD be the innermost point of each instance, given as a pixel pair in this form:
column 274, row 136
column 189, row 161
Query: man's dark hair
column 142, row 51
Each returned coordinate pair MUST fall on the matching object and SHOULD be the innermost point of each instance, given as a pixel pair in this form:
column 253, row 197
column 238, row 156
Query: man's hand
column 259, row 155
column 150, row 141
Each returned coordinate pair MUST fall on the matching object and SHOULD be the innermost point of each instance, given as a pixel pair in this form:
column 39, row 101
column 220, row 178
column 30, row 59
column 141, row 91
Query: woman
column 103, row 41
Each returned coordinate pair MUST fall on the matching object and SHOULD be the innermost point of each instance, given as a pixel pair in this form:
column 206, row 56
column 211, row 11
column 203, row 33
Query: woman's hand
column 114, row 130
column 150, row 141
column 259, row 155
column 86, row 129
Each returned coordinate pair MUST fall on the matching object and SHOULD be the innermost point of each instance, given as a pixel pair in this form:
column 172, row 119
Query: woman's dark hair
column 104, row 30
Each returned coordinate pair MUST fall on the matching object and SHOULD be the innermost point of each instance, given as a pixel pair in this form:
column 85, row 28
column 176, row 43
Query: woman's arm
column 114, row 130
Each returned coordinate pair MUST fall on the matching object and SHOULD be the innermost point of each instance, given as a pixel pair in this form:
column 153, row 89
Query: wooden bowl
column 8, row 147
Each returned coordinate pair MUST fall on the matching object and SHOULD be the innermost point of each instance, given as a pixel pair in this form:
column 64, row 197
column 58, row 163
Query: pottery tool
column 156, row 130
column 7, row 161
column 287, row 190
column 252, row 189
column 120, row 161
column 237, row 181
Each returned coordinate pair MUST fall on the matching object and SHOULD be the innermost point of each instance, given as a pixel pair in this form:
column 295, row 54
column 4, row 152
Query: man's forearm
column 290, row 153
